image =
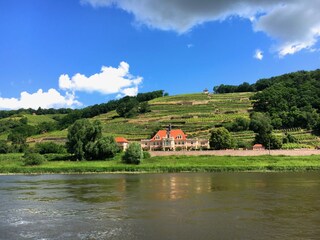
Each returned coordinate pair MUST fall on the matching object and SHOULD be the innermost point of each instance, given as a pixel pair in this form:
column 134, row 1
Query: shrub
column 289, row 138
column 244, row 144
column 105, row 147
column 3, row 147
column 49, row 147
column 32, row 159
column 146, row 155
column 133, row 154
column 221, row 139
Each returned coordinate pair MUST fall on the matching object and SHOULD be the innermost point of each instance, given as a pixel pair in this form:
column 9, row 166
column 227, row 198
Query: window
column 157, row 137
column 179, row 137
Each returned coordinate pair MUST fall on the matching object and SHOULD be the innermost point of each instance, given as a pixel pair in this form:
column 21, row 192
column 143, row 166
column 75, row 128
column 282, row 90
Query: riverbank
column 12, row 164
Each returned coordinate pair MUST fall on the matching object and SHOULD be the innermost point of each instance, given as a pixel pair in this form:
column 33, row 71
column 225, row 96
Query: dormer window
column 179, row 137
column 157, row 137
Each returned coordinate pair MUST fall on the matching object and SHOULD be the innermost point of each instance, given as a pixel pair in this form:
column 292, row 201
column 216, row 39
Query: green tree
column 144, row 107
column 128, row 107
column 221, row 139
column 18, row 142
column 32, row 159
column 4, row 147
column 268, row 140
column 133, row 154
column 81, row 135
column 105, row 147
column 288, row 138
column 260, row 123
column 238, row 125
column 49, row 147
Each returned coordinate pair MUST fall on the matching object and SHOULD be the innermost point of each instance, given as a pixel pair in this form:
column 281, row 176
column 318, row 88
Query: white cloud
column 109, row 81
column 190, row 45
column 258, row 54
column 50, row 99
column 294, row 24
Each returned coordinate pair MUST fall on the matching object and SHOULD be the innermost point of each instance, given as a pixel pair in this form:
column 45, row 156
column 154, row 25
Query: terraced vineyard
column 195, row 114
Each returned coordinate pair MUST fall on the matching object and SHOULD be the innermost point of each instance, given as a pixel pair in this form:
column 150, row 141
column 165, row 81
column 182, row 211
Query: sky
column 76, row 53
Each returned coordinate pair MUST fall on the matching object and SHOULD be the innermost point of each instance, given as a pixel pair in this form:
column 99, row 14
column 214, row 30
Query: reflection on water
column 161, row 206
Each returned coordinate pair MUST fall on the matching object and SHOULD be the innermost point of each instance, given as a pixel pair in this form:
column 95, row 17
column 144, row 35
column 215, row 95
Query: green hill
column 196, row 114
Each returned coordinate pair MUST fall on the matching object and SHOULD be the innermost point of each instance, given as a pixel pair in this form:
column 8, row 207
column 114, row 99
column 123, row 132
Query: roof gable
column 176, row 134
column 121, row 140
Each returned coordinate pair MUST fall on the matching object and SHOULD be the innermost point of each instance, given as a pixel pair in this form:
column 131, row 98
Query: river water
column 161, row 206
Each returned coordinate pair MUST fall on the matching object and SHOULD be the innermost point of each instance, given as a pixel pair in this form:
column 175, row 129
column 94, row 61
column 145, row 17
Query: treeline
column 244, row 87
column 291, row 100
column 126, row 107
column 39, row 111
column 265, row 83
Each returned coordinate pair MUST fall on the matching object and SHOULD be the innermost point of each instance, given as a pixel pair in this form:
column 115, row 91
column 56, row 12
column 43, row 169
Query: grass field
column 12, row 163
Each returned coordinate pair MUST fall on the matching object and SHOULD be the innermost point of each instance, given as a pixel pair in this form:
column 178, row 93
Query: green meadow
column 12, row 163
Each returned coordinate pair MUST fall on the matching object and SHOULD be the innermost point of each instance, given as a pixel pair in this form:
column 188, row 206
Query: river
column 161, row 206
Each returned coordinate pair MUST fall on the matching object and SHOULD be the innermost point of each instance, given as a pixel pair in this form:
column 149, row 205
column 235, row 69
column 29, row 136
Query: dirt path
column 296, row 152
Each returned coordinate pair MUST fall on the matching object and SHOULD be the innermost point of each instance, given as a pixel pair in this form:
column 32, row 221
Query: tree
column 105, row 147
column 239, row 124
column 269, row 140
column 221, row 139
column 49, row 147
column 18, row 142
column 3, row 147
column 128, row 107
column 260, row 123
column 133, row 154
column 44, row 127
column 144, row 107
column 32, row 159
column 81, row 135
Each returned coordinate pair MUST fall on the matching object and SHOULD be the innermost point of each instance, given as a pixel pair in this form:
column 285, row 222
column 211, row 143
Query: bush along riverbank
column 14, row 164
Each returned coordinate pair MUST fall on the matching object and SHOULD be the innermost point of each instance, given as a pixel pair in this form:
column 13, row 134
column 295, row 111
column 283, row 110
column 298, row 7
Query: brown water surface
column 161, row 206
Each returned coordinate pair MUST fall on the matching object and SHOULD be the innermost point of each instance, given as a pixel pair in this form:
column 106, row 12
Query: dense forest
column 290, row 100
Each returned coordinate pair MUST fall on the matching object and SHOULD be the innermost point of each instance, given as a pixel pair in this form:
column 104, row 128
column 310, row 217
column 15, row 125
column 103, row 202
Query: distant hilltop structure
column 206, row 91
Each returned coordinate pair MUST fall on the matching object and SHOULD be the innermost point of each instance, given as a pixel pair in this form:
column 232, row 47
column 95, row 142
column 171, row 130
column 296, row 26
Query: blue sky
column 75, row 53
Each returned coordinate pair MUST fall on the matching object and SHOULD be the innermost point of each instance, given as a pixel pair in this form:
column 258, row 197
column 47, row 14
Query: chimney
column 169, row 130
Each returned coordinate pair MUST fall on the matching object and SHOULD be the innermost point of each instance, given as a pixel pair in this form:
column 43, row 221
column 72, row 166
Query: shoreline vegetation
column 13, row 164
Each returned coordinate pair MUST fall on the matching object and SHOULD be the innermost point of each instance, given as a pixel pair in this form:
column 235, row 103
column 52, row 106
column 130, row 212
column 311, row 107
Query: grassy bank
column 12, row 163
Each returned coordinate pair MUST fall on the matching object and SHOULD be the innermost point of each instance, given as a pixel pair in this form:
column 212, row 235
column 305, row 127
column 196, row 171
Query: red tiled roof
column 258, row 145
column 173, row 133
column 121, row 140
